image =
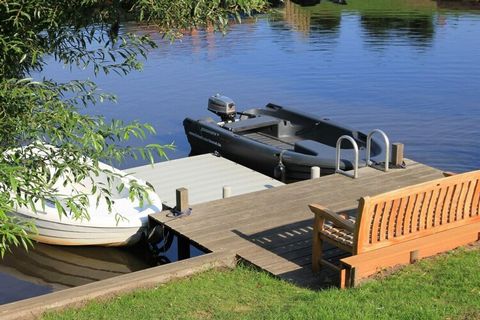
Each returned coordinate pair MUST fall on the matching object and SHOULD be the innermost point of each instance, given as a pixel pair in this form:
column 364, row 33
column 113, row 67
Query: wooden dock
column 272, row 229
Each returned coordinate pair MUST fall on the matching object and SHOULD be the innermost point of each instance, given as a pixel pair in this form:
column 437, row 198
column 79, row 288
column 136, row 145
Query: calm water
column 408, row 67
column 47, row 268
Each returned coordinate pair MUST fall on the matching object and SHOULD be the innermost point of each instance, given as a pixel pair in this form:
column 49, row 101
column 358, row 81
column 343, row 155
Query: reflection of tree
column 455, row 4
column 324, row 22
column 417, row 28
column 411, row 19
column 312, row 21
column 195, row 39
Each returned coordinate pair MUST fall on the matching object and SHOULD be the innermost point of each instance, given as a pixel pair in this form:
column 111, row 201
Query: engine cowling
column 222, row 106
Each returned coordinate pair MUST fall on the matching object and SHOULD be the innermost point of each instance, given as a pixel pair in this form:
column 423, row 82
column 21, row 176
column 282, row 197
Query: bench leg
column 352, row 278
column 317, row 245
column 343, row 278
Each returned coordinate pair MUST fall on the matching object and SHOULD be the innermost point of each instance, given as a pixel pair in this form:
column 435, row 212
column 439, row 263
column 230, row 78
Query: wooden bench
column 400, row 226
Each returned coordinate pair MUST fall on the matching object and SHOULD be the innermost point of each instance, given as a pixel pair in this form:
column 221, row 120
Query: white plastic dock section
column 204, row 176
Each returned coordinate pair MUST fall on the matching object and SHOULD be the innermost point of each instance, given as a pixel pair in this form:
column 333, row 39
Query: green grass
column 446, row 287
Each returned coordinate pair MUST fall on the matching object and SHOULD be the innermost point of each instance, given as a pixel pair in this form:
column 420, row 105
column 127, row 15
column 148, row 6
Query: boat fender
column 279, row 172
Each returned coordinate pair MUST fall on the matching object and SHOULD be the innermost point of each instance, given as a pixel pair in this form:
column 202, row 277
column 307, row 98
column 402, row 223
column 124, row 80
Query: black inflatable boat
column 277, row 141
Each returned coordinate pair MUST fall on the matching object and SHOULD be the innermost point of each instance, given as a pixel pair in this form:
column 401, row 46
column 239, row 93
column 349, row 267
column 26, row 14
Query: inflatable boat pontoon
column 281, row 142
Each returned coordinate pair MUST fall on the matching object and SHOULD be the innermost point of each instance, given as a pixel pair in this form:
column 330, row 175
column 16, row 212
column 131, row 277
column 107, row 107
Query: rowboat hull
column 260, row 137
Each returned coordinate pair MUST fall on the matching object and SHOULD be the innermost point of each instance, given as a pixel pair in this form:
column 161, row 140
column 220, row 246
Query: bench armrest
column 330, row 215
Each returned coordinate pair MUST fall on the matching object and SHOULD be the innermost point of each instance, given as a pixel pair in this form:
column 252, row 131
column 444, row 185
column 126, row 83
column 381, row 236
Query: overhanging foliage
column 44, row 136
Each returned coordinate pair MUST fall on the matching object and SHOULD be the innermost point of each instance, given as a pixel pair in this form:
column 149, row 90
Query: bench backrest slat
column 417, row 211
column 473, row 205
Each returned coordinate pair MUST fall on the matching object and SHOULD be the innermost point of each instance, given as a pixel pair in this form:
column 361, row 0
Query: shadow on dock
column 293, row 243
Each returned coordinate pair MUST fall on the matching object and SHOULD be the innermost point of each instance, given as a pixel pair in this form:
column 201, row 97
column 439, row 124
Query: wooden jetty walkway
column 272, row 229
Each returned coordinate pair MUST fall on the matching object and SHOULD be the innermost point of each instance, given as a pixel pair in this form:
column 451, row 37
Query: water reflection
column 458, row 5
column 416, row 28
column 345, row 62
column 47, row 268
column 381, row 21
column 312, row 21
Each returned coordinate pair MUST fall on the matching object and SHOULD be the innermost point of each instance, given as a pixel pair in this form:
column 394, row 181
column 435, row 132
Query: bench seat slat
column 341, row 235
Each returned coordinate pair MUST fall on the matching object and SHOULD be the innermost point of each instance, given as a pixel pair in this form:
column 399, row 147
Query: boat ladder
column 387, row 148
column 368, row 152
column 355, row 163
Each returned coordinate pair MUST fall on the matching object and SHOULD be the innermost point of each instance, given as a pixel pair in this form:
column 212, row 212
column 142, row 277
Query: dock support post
column 397, row 154
column 226, row 192
column 183, row 245
column 352, row 278
column 182, row 199
column 314, row 172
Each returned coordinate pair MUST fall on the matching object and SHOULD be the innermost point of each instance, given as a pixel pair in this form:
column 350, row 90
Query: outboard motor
column 223, row 107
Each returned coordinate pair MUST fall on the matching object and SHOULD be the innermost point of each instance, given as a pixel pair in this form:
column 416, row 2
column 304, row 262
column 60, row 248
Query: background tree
column 44, row 134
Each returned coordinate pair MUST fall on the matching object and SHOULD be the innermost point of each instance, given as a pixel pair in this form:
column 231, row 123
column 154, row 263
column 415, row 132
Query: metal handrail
column 355, row 164
column 387, row 147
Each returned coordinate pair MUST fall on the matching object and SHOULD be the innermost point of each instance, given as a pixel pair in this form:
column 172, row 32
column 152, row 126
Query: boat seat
column 252, row 123
column 313, row 148
column 318, row 149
